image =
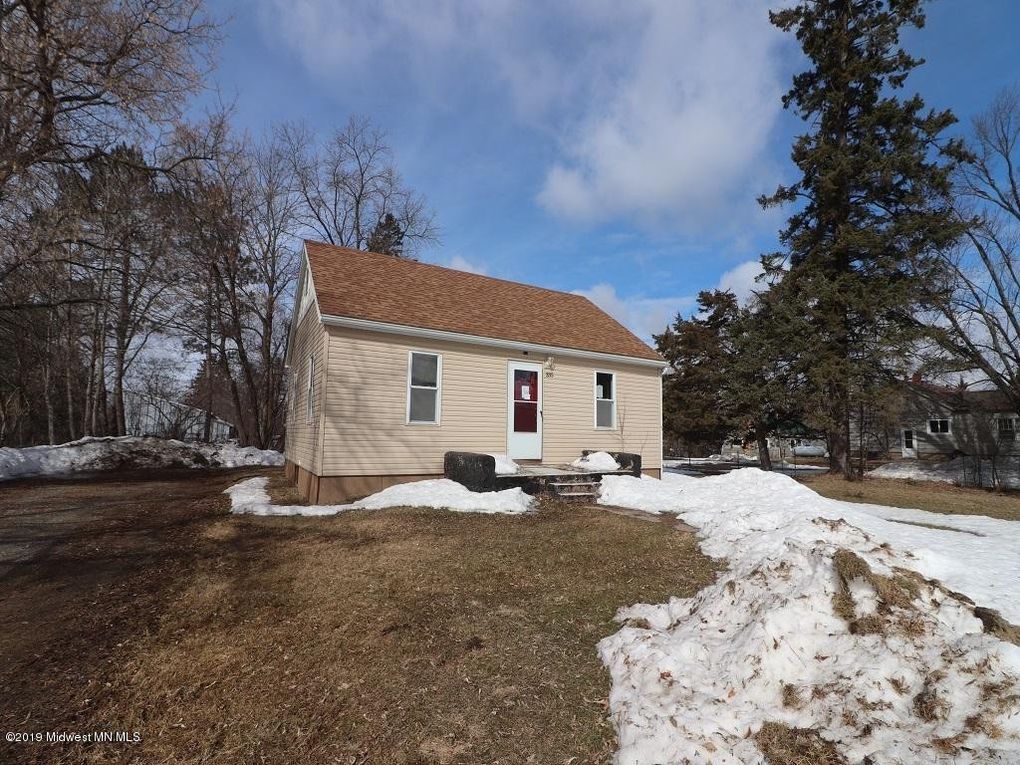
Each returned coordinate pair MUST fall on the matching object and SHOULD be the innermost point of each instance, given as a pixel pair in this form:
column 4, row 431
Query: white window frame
column 438, row 389
column 1014, row 427
column 936, row 418
column 310, row 390
column 596, row 399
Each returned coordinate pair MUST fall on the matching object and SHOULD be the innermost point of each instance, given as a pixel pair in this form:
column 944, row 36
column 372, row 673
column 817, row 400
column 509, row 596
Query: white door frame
column 904, row 449
column 525, row 446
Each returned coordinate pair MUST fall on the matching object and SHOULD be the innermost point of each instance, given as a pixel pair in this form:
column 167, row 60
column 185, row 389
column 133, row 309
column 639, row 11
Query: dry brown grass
column 784, row 745
column 922, row 495
column 994, row 624
column 896, row 594
column 791, row 696
column 929, row 704
column 397, row 636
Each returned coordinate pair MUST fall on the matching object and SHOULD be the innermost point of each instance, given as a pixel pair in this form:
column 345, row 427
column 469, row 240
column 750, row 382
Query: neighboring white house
column 149, row 415
column 394, row 362
column 939, row 421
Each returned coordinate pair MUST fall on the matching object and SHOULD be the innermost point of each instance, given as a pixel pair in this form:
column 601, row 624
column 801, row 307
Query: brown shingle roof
column 965, row 400
column 364, row 285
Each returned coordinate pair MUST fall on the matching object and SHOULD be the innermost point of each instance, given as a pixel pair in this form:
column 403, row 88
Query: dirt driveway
column 86, row 564
column 136, row 604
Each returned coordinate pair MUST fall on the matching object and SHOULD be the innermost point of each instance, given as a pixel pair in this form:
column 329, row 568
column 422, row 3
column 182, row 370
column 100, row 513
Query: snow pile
column 596, row 462
column 444, row 494
column 250, row 497
column 823, row 623
column 962, row 471
column 505, row 465
column 127, row 452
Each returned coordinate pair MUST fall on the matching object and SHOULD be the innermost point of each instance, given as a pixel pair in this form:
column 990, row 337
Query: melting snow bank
column 822, row 628
column 109, row 453
column 250, row 497
column 596, row 462
column 962, row 470
column 505, row 465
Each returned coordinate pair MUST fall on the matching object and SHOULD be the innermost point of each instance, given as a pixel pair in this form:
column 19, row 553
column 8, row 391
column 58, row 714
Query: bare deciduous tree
column 78, row 77
column 350, row 184
column 978, row 306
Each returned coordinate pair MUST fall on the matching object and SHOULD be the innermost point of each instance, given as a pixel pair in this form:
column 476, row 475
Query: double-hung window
column 424, row 385
column 1007, row 429
column 310, row 390
column 605, row 400
column 938, row 425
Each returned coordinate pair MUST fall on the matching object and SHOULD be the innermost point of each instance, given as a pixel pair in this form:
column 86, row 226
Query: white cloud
column 646, row 316
column 461, row 263
column 641, row 315
column 680, row 137
column 659, row 111
column 740, row 280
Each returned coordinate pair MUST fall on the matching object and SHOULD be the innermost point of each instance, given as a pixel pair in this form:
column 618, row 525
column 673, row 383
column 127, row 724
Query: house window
column 424, row 382
column 310, row 390
column 1007, row 429
column 938, row 425
column 605, row 400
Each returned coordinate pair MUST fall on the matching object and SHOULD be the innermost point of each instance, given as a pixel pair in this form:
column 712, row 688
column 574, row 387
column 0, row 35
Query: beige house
column 393, row 363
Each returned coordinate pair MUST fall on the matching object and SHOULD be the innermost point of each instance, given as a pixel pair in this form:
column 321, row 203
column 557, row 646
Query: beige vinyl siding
column 365, row 430
column 303, row 441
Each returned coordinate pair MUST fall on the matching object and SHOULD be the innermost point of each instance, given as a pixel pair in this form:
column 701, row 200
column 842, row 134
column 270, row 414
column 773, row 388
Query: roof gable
column 382, row 288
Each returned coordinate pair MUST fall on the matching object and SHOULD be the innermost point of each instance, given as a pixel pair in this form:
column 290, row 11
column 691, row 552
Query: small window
column 939, row 425
column 310, row 390
column 605, row 400
column 424, row 376
column 1007, row 429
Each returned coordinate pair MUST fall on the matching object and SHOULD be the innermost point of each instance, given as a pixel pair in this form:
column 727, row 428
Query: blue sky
column 587, row 145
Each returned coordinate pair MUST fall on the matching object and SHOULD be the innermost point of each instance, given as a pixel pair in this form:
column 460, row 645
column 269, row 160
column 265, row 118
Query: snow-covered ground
column 824, row 620
column 90, row 454
column 250, row 497
column 962, row 471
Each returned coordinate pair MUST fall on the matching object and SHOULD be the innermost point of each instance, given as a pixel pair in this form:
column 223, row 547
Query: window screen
column 423, row 388
column 605, row 400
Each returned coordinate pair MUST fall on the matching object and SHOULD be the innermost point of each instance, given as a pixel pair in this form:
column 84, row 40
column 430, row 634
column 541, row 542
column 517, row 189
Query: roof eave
column 492, row 342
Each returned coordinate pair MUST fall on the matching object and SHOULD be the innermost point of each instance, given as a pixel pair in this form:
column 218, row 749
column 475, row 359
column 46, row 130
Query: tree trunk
column 207, row 424
column 69, row 392
column 51, row 435
column 764, row 458
column 862, row 458
column 839, row 448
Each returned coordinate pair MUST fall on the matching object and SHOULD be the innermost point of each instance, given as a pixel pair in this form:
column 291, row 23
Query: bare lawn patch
column 394, row 636
column 921, row 495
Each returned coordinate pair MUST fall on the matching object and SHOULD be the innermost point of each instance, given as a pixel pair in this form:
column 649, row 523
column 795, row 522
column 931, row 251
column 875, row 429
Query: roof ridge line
column 447, row 268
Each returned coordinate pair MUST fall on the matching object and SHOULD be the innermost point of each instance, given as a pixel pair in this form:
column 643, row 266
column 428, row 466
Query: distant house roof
column 965, row 400
column 383, row 288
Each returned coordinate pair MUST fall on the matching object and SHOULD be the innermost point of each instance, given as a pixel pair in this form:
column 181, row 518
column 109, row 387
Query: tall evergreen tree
column 872, row 205
column 726, row 377
column 387, row 238
column 694, row 409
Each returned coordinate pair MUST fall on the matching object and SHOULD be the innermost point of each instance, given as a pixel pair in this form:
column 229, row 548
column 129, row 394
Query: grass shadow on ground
column 395, row 636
